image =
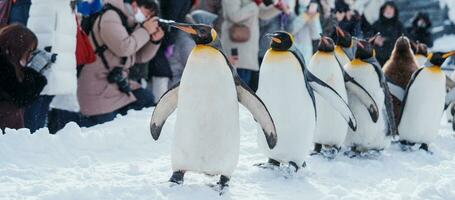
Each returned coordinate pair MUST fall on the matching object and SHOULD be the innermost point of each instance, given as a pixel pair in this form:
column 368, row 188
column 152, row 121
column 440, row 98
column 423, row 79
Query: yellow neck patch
column 357, row 63
column 434, row 69
column 214, row 34
column 338, row 50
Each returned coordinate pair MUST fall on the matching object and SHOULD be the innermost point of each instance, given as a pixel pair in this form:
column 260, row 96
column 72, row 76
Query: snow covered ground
column 120, row 160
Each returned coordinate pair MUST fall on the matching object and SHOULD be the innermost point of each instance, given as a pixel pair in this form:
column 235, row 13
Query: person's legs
column 160, row 85
column 20, row 12
column 144, row 99
column 59, row 118
column 97, row 119
column 35, row 115
column 245, row 75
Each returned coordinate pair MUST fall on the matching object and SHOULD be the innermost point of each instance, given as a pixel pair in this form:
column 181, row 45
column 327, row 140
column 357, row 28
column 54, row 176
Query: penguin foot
column 330, row 152
column 222, row 184
column 270, row 164
column 317, row 149
column 405, row 145
column 352, row 153
column 177, row 177
column 294, row 165
column 425, row 147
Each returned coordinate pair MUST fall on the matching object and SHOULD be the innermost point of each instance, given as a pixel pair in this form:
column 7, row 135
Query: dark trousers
column 20, row 12
column 144, row 98
column 35, row 115
column 250, row 77
column 59, row 118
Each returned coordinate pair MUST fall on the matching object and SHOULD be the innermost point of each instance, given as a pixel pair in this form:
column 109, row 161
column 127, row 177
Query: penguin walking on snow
column 370, row 136
column 398, row 71
column 423, row 103
column 331, row 128
column 207, row 128
column 287, row 88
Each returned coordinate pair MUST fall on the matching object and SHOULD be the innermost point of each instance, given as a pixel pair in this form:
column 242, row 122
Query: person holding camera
column 21, row 80
column 121, row 39
column 240, row 33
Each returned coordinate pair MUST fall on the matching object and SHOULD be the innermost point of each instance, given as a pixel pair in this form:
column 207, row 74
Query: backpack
column 87, row 24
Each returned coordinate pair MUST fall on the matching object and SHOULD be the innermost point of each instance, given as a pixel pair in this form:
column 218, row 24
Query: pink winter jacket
column 95, row 94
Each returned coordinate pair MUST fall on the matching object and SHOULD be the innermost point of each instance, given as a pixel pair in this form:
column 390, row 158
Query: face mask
column 139, row 16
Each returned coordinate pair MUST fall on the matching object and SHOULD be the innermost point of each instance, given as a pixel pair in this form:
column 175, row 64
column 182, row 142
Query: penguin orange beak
column 339, row 31
column 359, row 44
column 273, row 37
column 185, row 28
column 446, row 55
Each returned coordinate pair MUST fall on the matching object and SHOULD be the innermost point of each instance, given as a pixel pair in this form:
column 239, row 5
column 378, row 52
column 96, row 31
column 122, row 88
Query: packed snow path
column 120, row 160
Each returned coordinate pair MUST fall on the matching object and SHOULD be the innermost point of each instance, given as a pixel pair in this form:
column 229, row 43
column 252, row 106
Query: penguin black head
column 421, row 49
column 365, row 50
column 402, row 44
column 438, row 58
column 326, row 44
column 281, row 40
column 201, row 33
column 343, row 38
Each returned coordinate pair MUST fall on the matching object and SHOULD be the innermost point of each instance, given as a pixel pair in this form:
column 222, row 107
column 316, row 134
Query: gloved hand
column 41, row 60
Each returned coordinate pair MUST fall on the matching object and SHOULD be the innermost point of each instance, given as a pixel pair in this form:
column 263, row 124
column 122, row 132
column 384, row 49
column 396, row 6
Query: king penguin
column 345, row 46
column 398, row 71
column 287, row 88
column 331, row 128
column 370, row 136
column 207, row 132
column 421, row 54
column 423, row 103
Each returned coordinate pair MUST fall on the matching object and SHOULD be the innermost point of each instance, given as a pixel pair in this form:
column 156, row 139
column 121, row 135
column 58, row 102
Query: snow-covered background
column 120, row 160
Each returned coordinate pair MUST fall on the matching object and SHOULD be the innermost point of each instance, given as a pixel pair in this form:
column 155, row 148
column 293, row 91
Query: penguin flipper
column 408, row 87
column 164, row 108
column 332, row 97
column 365, row 98
column 260, row 113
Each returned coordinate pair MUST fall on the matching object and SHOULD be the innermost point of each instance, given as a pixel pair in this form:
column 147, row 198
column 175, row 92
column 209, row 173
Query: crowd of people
column 89, row 61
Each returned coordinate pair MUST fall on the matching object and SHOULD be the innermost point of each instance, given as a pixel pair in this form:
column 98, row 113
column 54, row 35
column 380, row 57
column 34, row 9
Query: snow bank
column 120, row 160
column 451, row 5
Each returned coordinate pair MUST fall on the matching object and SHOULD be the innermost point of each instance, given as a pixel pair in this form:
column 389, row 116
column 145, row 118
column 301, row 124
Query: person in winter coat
column 390, row 28
column 369, row 12
column 306, row 28
column 19, row 12
column 420, row 29
column 19, row 85
column 54, row 23
column 160, row 67
column 346, row 19
column 247, row 13
column 101, row 99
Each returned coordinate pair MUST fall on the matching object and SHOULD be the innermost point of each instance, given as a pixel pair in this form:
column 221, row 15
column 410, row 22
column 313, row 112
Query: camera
column 116, row 76
column 41, row 60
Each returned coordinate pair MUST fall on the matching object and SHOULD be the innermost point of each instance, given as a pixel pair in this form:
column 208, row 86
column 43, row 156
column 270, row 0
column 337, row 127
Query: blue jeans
column 35, row 115
column 245, row 75
column 144, row 98
column 20, row 12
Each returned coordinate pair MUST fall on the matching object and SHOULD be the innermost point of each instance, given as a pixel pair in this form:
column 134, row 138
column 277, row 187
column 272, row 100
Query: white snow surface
column 120, row 160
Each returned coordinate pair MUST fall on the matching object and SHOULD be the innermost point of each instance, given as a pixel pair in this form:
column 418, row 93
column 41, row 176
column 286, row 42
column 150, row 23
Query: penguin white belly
column 207, row 137
column 331, row 128
column 341, row 56
column 424, row 107
column 282, row 89
column 369, row 135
